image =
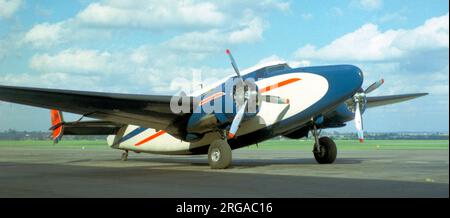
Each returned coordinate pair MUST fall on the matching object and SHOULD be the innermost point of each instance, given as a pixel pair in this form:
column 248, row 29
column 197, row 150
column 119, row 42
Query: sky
column 149, row 46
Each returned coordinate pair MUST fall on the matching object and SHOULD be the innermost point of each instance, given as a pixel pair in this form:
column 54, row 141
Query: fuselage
column 317, row 93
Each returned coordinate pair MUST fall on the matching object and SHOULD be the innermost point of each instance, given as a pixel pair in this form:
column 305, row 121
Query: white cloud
column 197, row 42
column 201, row 43
column 368, row 43
column 272, row 58
column 139, row 70
column 73, row 61
column 9, row 7
column 44, row 35
column 368, row 4
column 151, row 14
column 48, row 35
column 201, row 26
column 291, row 63
column 250, row 33
column 410, row 60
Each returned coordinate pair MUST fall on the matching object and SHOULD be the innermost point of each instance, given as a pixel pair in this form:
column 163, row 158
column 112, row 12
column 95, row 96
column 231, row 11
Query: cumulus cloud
column 368, row 43
column 410, row 60
column 152, row 14
column 214, row 40
column 72, row 60
column 137, row 70
column 44, row 35
column 250, row 33
column 202, row 25
column 9, row 7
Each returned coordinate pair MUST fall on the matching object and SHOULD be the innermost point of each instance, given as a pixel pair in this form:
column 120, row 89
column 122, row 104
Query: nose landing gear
column 125, row 155
column 328, row 151
column 325, row 150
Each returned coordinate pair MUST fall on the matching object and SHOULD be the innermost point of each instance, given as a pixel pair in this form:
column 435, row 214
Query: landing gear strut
column 219, row 154
column 325, row 150
column 125, row 155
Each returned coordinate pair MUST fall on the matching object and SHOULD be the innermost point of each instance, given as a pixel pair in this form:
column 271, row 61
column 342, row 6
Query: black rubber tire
column 225, row 155
column 328, row 151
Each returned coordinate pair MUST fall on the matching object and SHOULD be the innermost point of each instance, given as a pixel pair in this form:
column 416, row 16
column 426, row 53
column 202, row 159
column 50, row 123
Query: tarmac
column 28, row 172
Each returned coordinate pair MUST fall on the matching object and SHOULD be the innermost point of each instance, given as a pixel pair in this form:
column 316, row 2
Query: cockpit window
column 277, row 68
column 263, row 72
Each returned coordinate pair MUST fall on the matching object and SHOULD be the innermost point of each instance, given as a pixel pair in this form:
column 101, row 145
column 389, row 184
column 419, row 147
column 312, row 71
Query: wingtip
column 228, row 51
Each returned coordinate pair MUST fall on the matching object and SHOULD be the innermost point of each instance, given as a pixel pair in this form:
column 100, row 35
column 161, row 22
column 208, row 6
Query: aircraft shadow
column 244, row 163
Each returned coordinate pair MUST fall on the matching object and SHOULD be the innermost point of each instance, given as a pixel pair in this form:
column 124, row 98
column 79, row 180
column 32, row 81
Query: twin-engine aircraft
column 247, row 108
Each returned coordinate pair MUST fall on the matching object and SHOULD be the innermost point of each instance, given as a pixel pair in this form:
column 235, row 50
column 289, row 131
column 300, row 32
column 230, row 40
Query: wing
column 152, row 111
column 391, row 99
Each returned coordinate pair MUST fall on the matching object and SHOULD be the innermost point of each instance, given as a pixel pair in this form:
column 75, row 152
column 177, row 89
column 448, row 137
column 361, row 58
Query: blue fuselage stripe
column 132, row 134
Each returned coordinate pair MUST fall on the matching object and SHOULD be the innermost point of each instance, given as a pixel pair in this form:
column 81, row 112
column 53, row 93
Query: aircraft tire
column 219, row 155
column 328, row 151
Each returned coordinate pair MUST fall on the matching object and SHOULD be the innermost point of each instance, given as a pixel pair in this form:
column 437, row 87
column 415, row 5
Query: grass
column 356, row 145
column 48, row 144
column 267, row 145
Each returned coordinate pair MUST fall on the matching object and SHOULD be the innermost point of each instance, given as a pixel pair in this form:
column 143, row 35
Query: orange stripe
column 211, row 97
column 150, row 137
column 278, row 85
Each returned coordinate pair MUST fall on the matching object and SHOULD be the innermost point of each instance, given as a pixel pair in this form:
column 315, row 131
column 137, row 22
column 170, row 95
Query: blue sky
column 141, row 46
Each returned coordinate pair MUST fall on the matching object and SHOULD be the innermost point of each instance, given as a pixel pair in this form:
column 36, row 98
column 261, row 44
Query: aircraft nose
column 345, row 80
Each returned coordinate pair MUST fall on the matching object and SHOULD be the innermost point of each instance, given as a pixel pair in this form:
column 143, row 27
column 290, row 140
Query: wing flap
column 91, row 128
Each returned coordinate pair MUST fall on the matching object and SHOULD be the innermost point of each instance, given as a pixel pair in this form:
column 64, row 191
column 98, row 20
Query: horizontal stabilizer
column 391, row 99
column 94, row 127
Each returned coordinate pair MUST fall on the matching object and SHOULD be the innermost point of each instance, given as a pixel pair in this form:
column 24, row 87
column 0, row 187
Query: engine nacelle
column 218, row 107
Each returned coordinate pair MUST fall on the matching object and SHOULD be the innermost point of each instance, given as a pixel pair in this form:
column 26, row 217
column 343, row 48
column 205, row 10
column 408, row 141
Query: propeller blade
column 275, row 99
column 358, row 122
column 237, row 121
column 374, row 86
column 233, row 63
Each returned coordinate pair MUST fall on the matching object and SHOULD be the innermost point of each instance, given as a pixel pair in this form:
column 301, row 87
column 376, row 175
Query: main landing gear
column 325, row 150
column 219, row 154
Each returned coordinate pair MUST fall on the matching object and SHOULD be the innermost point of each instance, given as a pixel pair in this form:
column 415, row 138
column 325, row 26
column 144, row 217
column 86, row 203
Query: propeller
column 244, row 91
column 237, row 121
column 374, row 86
column 358, row 122
column 359, row 100
column 233, row 63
